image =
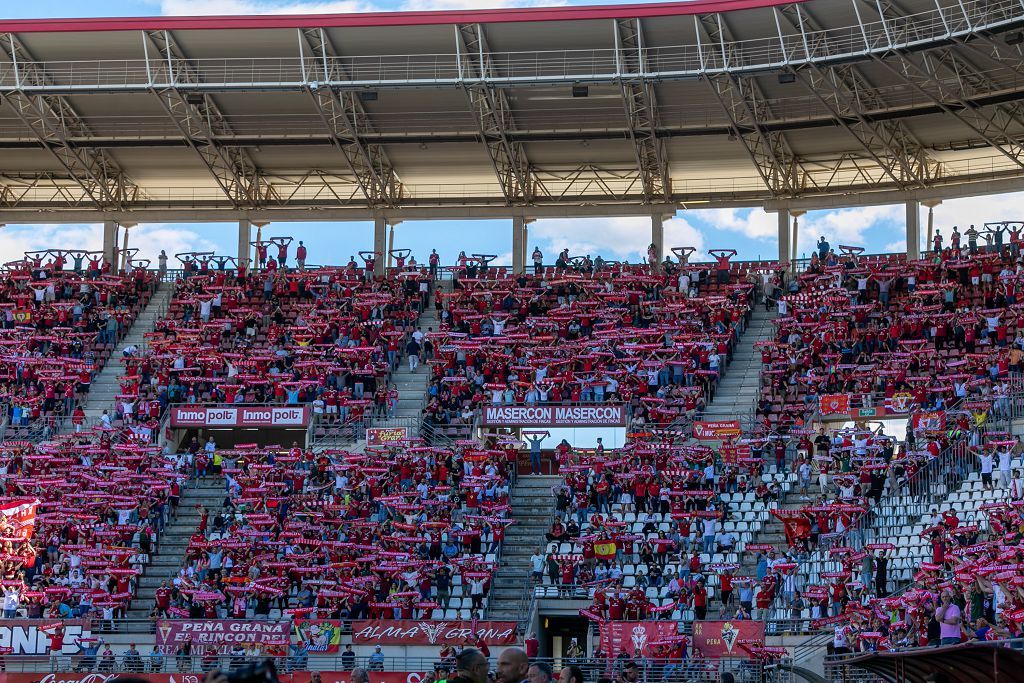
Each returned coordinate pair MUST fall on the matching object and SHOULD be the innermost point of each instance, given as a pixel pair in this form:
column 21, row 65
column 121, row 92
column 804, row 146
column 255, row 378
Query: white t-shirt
column 986, row 463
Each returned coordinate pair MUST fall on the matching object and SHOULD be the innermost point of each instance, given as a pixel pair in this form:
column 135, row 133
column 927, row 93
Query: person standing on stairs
column 413, row 349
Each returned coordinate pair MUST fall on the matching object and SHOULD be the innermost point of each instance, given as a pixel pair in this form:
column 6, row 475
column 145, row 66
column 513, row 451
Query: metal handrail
column 774, row 51
column 652, row 669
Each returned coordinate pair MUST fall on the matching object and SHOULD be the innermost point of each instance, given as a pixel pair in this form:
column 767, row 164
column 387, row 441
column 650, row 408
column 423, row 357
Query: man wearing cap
column 376, row 660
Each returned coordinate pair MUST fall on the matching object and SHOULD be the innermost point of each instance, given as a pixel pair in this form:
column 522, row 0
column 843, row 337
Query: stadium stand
column 63, row 314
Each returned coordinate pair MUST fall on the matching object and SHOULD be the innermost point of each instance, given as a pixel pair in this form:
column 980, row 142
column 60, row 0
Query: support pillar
column 380, row 245
column 124, row 247
column 526, row 241
column 518, row 245
column 931, row 204
column 783, row 235
column 913, row 230
column 110, row 243
column 795, row 239
column 244, row 238
column 658, row 236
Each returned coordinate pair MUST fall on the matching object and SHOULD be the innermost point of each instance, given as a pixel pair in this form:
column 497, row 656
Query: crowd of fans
column 403, row 531
column 653, row 338
column 935, row 339
column 327, row 338
column 104, row 499
column 62, row 314
column 886, row 332
column 661, row 529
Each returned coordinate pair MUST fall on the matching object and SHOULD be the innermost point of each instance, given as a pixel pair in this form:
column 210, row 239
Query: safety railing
column 927, row 488
column 650, row 670
column 838, row 667
column 782, row 49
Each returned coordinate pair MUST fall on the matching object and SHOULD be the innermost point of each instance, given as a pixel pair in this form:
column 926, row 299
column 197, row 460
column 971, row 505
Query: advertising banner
column 346, row 677
column 239, row 416
column 297, row 677
column 716, row 431
column 634, row 637
column 87, row 677
column 220, row 633
column 717, row 639
column 26, row 636
column 382, row 436
column 321, row 636
column 407, row 632
column 555, row 416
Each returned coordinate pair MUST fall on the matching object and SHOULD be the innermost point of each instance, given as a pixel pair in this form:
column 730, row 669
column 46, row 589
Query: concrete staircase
column 165, row 563
column 105, row 386
column 412, row 386
column 532, row 507
column 737, row 392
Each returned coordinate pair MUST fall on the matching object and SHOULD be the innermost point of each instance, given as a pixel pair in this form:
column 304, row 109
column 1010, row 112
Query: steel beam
column 641, row 108
column 493, row 115
column 53, row 120
column 201, row 122
column 343, row 115
column 998, row 126
column 766, row 148
column 887, row 142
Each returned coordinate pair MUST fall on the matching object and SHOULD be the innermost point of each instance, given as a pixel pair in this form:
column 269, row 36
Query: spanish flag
column 604, row 550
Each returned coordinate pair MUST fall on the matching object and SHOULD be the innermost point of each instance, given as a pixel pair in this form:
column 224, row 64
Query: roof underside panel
column 649, row 105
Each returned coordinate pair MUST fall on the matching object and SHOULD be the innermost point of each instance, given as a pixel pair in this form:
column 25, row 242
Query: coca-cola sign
column 239, row 416
column 555, row 416
column 408, row 632
column 99, row 678
column 25, row 637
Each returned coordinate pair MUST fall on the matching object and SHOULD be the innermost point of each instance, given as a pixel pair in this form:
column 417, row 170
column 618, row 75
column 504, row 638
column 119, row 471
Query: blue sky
column 752, row 232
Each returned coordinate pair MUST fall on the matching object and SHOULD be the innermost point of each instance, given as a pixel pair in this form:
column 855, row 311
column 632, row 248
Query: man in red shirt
column 163, row 598
column 699, row 597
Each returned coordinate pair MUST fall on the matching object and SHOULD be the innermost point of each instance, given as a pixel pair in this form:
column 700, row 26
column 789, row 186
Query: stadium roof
column 638, row 108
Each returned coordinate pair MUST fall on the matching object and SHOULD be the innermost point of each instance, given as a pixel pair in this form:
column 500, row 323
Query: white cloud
column 151, row 238
column 753, row 223
column 435, row 5
column 240, row 7
column 897, row 246
column 243, row 7
column 15, row 240
column 846, row 226
column 622, row 238
column 976, row 210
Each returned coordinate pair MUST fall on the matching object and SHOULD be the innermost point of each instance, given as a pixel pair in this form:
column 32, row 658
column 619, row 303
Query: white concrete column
column 380, row 244
column 913, row 231
column 391, row 243
column 783, row 235
column 110, row 243
column 244, row 238
column 518, row 245
column 124, row 248
column 795, row 238
column 931, row 204
column 658, row 235
column 526, row 241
